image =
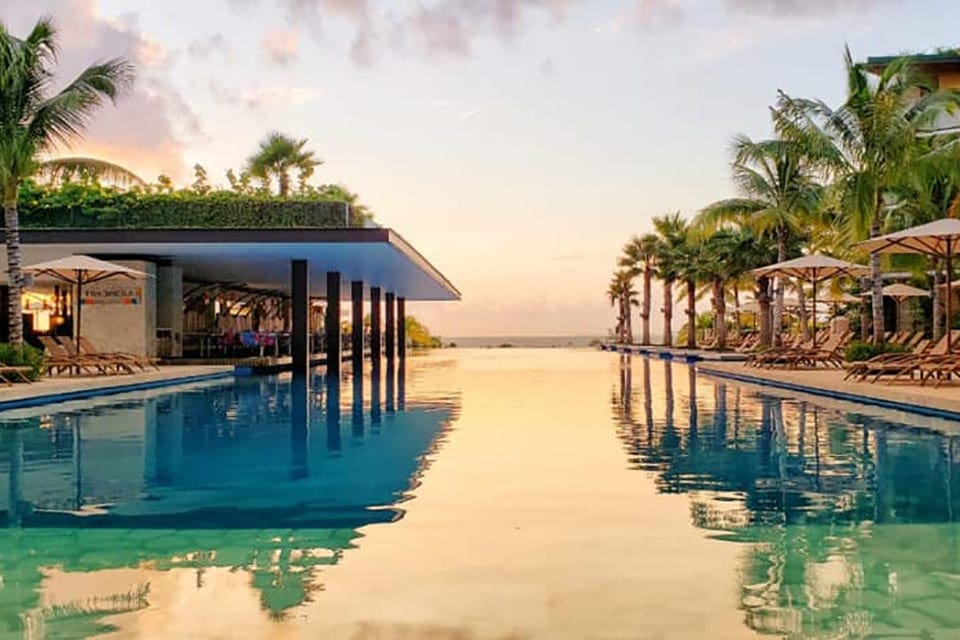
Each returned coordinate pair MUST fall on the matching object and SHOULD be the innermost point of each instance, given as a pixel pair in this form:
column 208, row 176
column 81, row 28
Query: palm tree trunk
column 876, row 282
column 668, row 312
column 736, row 309
column 763, row 301
column 778, row 289
column 691, row 313
column 283, row 183
column 720, row 314
column 628, row 317
column 14, row 273
column 804, row 316
column 645, row 309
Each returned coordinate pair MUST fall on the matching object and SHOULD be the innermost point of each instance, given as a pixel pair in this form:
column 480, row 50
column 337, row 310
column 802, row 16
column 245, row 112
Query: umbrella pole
column 949, row 321
column 813, row 315
column 79, row 306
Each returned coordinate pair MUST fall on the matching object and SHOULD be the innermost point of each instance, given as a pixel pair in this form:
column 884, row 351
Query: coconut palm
column 33, row 120
column 59, row 170
column 868, row 142
column 639, row 254
column 671, row 230
column 623, row 296
column 689, row 261
column 779, row 196
column 277, row 156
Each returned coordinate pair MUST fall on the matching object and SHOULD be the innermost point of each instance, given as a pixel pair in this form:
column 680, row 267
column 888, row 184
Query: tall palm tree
column 640, row 254
column 33, row 120
column 867, row 142
column 623, row 296
column 671, row 230
column 779, row 195
column 690, row 270
column 277, row 156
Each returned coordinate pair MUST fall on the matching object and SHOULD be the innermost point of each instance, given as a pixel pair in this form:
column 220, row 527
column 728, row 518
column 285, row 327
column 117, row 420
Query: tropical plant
column 33, row 120
column 623, row 296
column 640, row 254
column 277, row 156
column 671, row 231
column 867, row 144
column 689, row 263
column 779, row 196
column 60, row 170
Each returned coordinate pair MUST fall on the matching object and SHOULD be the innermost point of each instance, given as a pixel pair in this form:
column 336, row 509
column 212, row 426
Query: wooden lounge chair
column 87, row 348
column 829, row 352
column 60, row 359
column 9, row 373
column 118, row 365
column 906, row 366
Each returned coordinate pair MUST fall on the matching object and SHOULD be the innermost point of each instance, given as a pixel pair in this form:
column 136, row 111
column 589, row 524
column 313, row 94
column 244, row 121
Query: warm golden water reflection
column 581, row 495
column 528, row 523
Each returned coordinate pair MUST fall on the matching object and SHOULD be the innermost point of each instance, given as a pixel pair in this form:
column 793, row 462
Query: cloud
column 469, row 114
column 150, row 126
column 437, row 29
column 659, row 13
column 265, row 97
column 215, row 44
column 781, row 9
column 280, row 45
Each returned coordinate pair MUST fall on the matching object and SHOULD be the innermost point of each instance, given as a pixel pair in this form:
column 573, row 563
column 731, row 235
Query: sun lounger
column 142, row 362
column 9, row 373
column 60, row 359
column 905, row 366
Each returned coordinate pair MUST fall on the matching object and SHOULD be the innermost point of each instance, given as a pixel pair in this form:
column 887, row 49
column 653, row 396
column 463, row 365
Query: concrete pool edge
column 57, row 396
column 848, row 396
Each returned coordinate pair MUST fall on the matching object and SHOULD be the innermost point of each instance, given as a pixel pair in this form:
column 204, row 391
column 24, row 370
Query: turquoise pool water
column 479, row 494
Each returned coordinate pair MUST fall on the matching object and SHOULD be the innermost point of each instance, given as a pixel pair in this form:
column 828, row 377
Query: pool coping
column 883, row 403
column 674, row 353
column 55, row 397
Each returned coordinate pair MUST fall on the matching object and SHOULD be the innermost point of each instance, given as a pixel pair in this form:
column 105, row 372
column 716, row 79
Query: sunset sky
column 516, row 143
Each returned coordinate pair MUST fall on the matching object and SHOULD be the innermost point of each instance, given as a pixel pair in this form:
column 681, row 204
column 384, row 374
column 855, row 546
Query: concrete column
column 391, row 328
column 333, row 324
column 169, row 312
column 375, row 329
column 401, row 328
column 356, row 342
column 300, row 329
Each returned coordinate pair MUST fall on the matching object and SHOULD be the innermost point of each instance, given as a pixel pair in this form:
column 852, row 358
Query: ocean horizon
column 529, row 342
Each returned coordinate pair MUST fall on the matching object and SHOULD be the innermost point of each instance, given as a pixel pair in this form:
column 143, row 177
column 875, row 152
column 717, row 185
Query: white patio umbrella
column 938, row 239
column 814, row 269
column 900, row 292
column 80, row 271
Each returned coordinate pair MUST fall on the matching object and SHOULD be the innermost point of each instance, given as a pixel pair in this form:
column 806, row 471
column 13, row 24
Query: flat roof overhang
column 259, row 257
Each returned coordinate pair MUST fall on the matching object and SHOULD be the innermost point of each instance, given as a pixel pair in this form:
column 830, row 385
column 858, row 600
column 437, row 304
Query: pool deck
column 675, row 353
column 943, row 402
column 51, row 390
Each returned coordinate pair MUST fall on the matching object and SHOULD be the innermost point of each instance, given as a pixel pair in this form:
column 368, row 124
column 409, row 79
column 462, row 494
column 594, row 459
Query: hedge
column 92, row 206
column 24, row 356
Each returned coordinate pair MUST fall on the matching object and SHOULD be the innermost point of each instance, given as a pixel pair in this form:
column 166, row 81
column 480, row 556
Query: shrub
column 857, row 350
column 25, row 356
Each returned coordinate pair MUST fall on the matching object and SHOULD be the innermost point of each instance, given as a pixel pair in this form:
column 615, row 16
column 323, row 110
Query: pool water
column 541, row 493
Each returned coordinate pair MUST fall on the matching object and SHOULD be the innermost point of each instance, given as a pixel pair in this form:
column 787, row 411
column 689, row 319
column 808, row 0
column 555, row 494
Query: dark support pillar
column 391, row 328
column 333, row 324
column 300, row 330
column 401, row 328
column 375, row 329
column 356, row 337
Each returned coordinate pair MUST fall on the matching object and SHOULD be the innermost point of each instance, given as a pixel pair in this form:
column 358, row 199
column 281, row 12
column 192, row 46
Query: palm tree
column 689, row 259
column 780, row 194
column 621, row 294
column 868, row 142
column 277, row 156
column 33, row 121
column 639, row 254
column 725, row 256
column 671, row 230
column 59, row 170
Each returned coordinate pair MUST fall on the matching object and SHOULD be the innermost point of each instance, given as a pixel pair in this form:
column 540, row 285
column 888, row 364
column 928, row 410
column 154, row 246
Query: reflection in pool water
column 850, row 516
column 262, row 475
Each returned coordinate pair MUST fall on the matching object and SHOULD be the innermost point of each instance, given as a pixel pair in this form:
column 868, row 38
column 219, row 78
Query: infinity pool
column 479, row 494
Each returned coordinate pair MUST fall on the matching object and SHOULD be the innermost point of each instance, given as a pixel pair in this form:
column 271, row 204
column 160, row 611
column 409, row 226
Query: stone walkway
column 54, row 386
column 831, row 382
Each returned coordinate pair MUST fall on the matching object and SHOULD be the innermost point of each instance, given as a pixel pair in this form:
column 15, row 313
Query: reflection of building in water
column 850, row 516
column 219, row 476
